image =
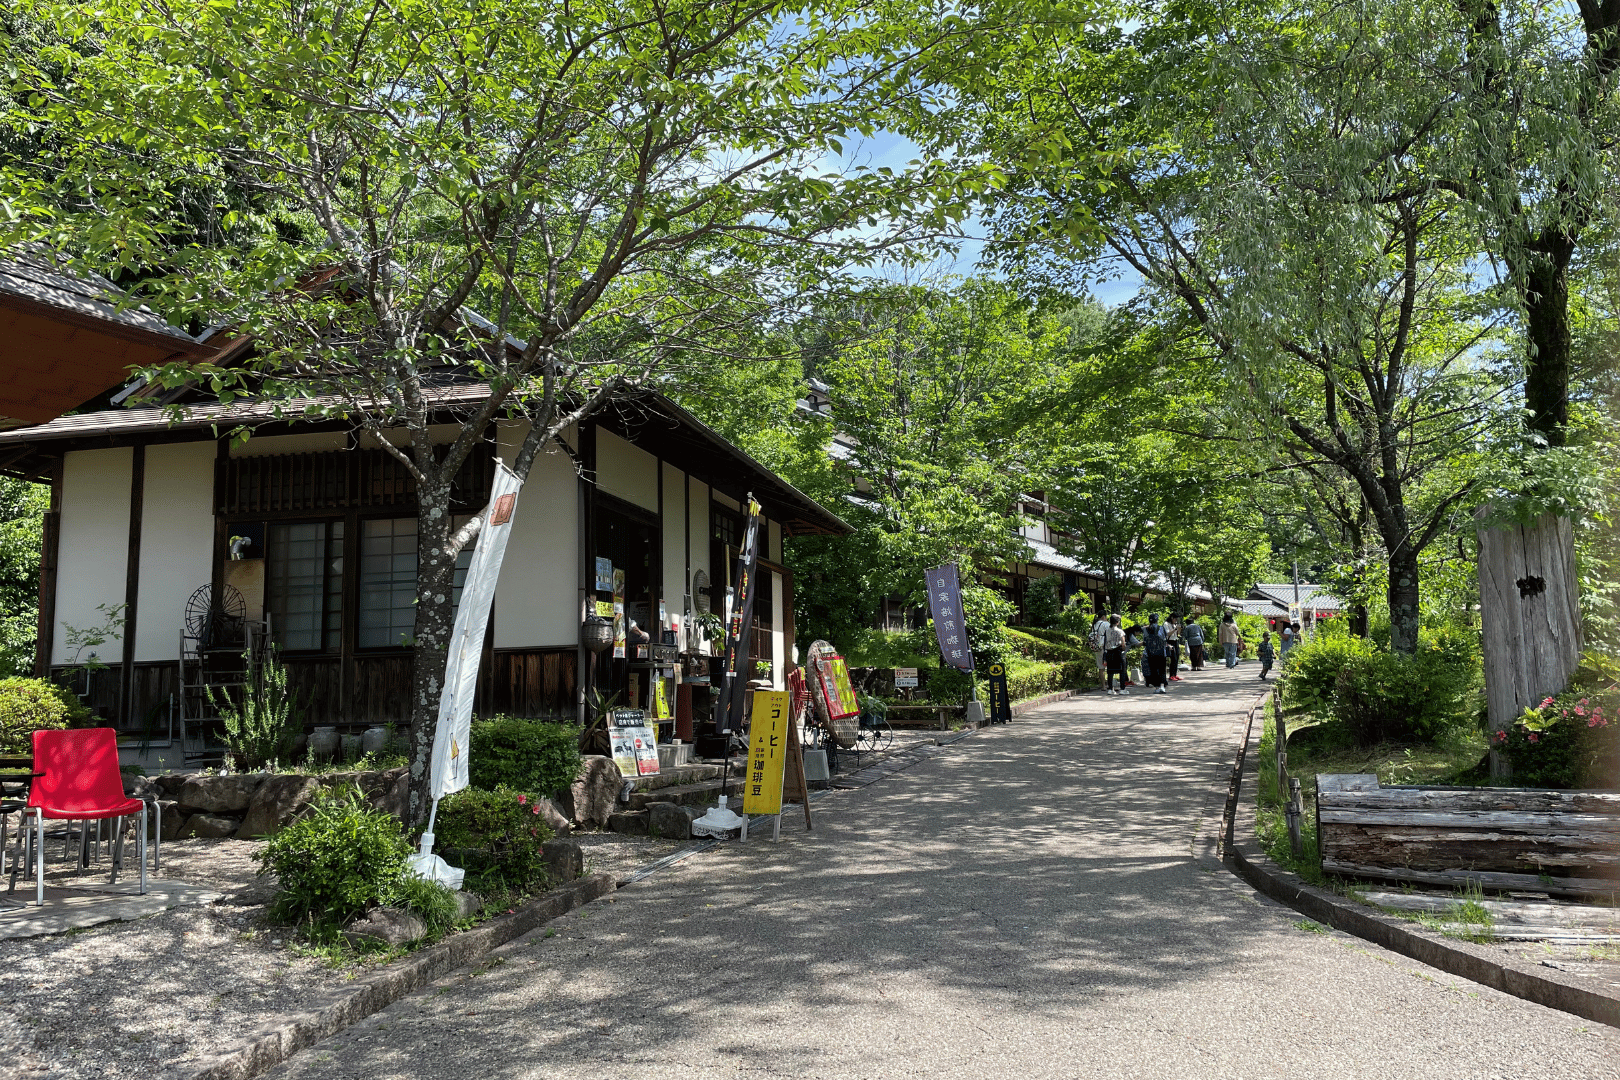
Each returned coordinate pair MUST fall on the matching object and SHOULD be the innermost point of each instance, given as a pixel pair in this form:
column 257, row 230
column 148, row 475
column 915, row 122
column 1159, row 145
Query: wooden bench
column 1565, row 842
column 943, row 712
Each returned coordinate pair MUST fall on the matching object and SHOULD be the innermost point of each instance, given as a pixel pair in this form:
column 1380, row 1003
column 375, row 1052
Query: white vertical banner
column 449, row 773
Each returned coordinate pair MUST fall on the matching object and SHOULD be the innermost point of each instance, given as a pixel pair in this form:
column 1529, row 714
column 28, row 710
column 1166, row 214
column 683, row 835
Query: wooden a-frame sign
column 775, row 769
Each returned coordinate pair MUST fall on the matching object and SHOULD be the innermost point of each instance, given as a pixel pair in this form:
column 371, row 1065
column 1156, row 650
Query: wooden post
column 50, row 545
column 1296, row 810
column 1530, row 618
column 794, row 785
column 132, row 586
column 1281, row 750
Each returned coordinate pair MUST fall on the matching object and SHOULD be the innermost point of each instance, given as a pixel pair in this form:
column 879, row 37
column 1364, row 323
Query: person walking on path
column 1172, row 635
column 1194, row 636
column 1114, row 651
column 1230, row 638
column 1099, row 641
column 1288, row 637
column 1155, row 650
column 1267, row 654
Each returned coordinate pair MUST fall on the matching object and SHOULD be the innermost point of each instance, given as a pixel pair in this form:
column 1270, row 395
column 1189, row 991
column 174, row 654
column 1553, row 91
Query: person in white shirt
column 1114, row 639
column 1099, row 642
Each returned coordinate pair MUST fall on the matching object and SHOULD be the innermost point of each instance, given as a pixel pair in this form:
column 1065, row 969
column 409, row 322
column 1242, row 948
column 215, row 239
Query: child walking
column 1267, row 654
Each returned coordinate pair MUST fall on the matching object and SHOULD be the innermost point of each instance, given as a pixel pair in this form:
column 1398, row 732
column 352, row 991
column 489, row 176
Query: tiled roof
column 37, row 276
column 1315, row 597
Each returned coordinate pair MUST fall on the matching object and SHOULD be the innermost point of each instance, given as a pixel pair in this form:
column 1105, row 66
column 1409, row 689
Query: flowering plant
column 1568, row 741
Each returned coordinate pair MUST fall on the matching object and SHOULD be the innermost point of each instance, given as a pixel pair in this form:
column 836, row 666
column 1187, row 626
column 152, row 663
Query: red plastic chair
column 78, row 780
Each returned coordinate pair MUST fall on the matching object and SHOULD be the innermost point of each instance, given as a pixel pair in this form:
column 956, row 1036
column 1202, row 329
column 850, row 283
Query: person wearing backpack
column 1155, row 650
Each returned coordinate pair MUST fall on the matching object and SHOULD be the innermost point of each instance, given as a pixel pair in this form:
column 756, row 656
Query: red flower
column 523, row 800
column 1534, row 737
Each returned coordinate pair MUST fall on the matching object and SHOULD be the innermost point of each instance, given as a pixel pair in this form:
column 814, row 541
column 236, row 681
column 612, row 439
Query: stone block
column 596, row 793
column 169, row 784
column 174, row 819
column 391, row 927
column 560, row 825
column 565, row 860
column 209, row 826
column 629, row 822
column 671, row 820
column 276, row 804
column 137, row 786
column 468, row 904
column 219, row 794
column 395, row 796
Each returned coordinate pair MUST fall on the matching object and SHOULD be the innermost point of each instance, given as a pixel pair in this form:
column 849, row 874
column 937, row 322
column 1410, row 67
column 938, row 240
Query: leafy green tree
column 610, row 185
column 22, row 509
column 1276, row 181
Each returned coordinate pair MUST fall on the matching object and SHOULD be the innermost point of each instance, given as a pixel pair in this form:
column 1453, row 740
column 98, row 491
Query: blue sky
column 894, row 151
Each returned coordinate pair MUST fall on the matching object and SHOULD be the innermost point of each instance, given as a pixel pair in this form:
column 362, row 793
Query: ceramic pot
column 323, row 743
column 375, row 739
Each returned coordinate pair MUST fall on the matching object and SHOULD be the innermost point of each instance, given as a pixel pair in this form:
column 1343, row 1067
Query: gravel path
column 152, row 997
column 1033, row 901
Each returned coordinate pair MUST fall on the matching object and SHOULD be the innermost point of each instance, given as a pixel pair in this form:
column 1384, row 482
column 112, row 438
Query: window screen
column 304, row 584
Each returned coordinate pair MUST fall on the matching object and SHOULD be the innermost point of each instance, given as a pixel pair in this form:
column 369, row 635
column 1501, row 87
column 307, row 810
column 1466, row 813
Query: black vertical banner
column 731, row 704
column 1000, row 697
column 950, row 626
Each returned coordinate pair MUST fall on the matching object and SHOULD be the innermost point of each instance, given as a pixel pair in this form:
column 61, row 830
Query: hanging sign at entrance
column 731, row 703
column 945, row 604
column 767, row 752
column 1000, row 698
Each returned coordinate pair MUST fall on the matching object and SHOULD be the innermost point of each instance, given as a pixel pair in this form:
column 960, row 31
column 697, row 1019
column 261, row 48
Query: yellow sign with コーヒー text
column 767, row 752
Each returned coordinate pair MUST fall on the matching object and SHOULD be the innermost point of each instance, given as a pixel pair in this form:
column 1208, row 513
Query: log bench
column 1564, row 842
column 920, row 719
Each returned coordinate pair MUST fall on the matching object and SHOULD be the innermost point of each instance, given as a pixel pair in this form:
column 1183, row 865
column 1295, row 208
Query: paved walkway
column 1034, row 901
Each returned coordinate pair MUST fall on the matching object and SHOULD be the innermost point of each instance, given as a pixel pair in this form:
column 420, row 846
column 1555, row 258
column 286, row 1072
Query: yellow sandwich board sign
column 767, row 751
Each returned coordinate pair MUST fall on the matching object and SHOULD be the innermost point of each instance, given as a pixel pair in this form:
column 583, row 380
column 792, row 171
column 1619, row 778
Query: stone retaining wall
column 252, row 805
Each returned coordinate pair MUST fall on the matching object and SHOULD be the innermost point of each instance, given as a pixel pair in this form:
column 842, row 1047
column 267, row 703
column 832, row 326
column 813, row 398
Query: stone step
column 699, row 794
column 679, row 775
column 629, row 822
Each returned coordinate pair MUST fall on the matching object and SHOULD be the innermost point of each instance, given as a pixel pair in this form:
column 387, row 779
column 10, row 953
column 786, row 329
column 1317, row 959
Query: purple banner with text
column 945, row 604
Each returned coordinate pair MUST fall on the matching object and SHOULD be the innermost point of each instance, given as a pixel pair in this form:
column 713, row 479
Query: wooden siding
column 534, row 682
column 285, row 484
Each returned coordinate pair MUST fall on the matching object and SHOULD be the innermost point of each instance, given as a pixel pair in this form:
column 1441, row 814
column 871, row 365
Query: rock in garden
column 209, row 826
column 174, row 819
column 467, row 904
column 670, row 820
column 565, row 860
column 560, row 825
column 394, row 794
column 276, row 803
column 219, row 794
column 629, row 822
column 596, row 792
column 137, row 786
column 386, row 926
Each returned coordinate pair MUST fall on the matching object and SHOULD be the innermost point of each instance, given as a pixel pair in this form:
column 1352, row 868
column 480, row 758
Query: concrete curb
column 280, row 1040
column 1242, row 854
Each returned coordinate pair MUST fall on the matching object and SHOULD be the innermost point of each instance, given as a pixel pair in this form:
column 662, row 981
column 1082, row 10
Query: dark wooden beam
column 132, row 583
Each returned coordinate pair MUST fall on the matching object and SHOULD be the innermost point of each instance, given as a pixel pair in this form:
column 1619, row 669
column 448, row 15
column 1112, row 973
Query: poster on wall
column 635, row 746
column 604, row 574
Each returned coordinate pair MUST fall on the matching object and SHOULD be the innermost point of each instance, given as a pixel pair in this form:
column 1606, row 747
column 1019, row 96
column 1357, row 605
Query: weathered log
column 1550, row 884
column 1412, row 833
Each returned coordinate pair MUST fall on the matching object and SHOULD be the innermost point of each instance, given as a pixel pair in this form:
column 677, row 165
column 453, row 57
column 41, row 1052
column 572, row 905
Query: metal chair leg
column 143, row 849
column 39, row 866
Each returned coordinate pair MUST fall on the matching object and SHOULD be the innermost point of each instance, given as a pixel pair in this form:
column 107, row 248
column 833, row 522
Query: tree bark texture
column 435, row 615
column 1404, row 614
column 1550, row 342
column 1530, row 615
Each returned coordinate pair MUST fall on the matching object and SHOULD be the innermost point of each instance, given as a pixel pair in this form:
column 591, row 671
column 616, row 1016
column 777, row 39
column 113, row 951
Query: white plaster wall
column 674, row 541
column 726, row 500
column 773, row 546
column 315, row 442
column 626, row 471
column 177, row 542
column 93, row 552
column 537, row 600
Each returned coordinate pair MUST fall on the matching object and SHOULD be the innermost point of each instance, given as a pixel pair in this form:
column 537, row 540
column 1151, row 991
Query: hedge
column 1027, row 680
column 1043, row 648
column 30, row 705
column 540, row 756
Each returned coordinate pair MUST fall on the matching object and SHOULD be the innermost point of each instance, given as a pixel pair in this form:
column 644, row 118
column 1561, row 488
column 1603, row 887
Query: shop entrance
column 627, row 559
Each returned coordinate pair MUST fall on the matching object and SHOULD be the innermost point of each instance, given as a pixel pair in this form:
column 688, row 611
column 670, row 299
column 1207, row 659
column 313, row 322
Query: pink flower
column 1546, row 702
column 536, row 810
column 1534, row 737
column 1583, row 701
column 523, row 800
column 1579, row 711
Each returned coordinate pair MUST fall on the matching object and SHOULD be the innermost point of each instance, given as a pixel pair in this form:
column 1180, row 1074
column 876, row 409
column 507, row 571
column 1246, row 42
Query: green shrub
column 495, row 836
column 30, row 705
column 1043, row 647
column 525, row 755
column 335, row 862
column 1571, row 741
column 1388, row 697
column 1313, row 669
column 1027, row 680
column 948, row 686
column 263, row 728
column 1043, row 601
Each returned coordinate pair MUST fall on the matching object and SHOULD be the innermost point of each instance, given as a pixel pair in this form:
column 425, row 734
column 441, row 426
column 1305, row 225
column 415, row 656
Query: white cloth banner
column 449, row 772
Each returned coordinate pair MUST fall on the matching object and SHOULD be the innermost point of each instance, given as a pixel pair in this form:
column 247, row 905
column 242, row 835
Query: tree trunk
column 1546, row 375
column 1403, row 599
column 435, row 614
